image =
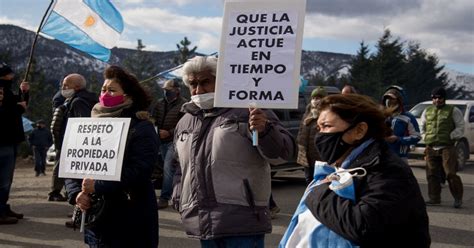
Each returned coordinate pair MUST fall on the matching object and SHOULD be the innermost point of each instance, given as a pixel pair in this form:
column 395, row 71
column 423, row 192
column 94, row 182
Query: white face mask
column 67, row 93
column 204, row 101
column 314, row 102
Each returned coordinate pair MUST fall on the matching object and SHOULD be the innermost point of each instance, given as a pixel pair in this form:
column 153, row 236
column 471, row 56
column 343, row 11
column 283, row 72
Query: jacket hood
column 397, row 92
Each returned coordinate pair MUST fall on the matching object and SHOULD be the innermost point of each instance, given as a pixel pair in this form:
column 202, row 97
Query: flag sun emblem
column 90, row 21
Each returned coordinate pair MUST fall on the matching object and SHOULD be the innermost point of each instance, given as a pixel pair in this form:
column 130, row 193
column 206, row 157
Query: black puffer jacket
column 389, row 210
column 80, row 105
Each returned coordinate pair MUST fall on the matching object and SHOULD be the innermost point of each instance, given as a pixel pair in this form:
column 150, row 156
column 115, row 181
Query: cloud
column 154, row 19
column 443, row 27
column 360, row 7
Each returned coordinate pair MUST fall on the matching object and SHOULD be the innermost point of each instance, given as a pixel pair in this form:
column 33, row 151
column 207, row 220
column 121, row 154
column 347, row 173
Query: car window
column 471, row 114
column 418, row 109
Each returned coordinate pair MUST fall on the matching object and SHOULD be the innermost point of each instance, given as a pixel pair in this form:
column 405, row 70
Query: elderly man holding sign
column 116, row 162
column 224, row 185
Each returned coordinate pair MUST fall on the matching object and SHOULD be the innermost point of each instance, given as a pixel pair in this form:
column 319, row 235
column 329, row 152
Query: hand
column 164, row 134
column 23, row 104
column 24, row 87
column 88, row 185
column 391, row 139
column 257, row 120
column 83, row 201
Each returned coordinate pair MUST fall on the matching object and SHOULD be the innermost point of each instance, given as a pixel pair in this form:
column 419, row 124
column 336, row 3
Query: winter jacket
column 167, row 115
column 307, row 153
column 131, row 207
column 11, row 125
column 224, row 185
column 389, row 210
column 442, row 126
column 403, row 124
column 79, row 105
column 40, row 137
column 405, row 127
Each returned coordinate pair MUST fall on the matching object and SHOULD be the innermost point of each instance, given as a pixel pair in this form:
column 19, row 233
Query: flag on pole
column 92, row 26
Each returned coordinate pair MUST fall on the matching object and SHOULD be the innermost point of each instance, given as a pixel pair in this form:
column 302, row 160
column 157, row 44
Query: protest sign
column 260, row 54
column 94, row 148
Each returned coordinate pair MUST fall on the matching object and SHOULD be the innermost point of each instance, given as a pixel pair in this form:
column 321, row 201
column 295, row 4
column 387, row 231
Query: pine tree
column 140, row 63
column 183, row 51
column 361, row 69
column 388, row 63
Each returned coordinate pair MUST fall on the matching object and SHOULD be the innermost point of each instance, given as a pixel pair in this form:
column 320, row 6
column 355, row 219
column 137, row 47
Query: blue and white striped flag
column 92, row 26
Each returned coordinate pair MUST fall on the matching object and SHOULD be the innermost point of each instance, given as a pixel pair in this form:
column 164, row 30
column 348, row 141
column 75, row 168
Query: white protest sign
column 260, row 54
column 94, row 148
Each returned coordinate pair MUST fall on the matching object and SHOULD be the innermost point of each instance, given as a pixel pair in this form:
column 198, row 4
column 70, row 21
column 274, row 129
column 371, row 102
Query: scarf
column 101, row 111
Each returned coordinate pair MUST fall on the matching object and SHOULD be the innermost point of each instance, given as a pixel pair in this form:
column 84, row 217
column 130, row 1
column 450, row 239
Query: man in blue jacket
column 405, row 128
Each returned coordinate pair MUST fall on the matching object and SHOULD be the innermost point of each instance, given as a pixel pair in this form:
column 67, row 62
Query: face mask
column 67, row 93
column 314, row 102
column 170, row 95
column 107, row 100
column 204, row 101
column 330, row 146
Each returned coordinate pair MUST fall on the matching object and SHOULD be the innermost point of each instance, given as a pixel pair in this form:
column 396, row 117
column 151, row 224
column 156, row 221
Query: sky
column 442, row 27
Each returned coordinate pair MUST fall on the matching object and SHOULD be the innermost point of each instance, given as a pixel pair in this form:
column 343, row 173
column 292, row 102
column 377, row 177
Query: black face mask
column 330, row 146
column 170, row 95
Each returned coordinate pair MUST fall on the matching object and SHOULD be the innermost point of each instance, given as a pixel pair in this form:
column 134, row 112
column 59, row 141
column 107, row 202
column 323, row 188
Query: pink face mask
column 107, row 100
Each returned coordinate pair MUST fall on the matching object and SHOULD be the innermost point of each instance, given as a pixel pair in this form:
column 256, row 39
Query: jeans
column 7, row 167
column 167, row 153
column 252, row 241
column 40, row 158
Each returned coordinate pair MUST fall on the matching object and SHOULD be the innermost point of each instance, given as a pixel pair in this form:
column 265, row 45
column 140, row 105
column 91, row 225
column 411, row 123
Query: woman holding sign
column 129, row 216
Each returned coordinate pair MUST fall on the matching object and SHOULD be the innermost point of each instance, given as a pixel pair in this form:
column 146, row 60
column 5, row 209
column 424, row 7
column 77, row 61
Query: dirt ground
column 44, row 220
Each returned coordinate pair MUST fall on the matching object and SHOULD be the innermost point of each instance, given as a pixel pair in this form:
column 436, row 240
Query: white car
column 465, row 145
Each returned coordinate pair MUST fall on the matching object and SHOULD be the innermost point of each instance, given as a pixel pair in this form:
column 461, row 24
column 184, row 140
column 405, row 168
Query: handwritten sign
column 260, row 54
column 94, row 148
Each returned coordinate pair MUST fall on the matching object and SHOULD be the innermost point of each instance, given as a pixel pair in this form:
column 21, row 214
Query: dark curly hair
column 354, row 108
column 130, row 85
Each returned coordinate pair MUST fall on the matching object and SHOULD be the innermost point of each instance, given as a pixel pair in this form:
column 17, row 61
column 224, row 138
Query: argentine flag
column 92, row 26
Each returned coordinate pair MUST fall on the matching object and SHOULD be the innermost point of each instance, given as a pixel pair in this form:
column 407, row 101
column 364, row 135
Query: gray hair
column 77, row 79
column 199, row 64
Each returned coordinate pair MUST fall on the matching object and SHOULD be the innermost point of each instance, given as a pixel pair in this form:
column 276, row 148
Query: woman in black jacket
column 130, row 217
column 386, row 208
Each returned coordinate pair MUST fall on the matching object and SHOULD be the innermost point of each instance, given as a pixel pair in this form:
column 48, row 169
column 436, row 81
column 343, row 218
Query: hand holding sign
column 257, row 120
column 88, row 185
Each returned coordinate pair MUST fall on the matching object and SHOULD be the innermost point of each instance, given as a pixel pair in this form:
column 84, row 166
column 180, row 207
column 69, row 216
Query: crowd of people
column 360, row 189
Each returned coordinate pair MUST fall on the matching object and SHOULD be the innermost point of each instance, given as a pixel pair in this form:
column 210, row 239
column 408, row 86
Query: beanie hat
column 4, row 69
column 319, row 91
column 438, row 92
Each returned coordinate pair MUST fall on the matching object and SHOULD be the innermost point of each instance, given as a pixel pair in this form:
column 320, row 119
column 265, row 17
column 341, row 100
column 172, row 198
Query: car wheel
column 461, row 153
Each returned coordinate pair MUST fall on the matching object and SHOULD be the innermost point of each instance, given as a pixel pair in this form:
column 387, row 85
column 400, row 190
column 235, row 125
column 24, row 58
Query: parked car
column 51, row 156
column 291, row 119
column 465, row 145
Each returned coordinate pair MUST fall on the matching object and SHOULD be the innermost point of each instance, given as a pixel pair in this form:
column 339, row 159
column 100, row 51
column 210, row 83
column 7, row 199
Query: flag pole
column 25, row 79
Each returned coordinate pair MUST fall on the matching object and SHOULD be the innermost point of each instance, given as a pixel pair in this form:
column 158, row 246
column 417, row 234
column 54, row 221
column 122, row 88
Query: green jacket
column 439, row 125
